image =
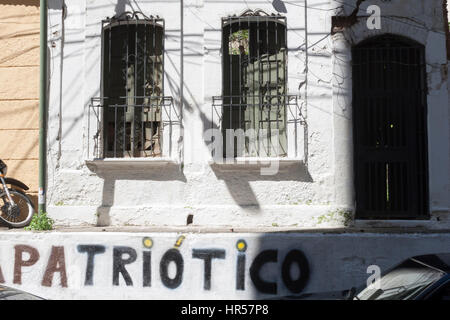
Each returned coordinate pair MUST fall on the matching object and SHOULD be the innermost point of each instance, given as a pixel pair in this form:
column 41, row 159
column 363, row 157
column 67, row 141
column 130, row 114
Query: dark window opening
column 133, row 79
column 254, row 84
column 390, row 136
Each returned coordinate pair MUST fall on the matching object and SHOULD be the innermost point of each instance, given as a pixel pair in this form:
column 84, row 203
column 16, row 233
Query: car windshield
column 403, row 283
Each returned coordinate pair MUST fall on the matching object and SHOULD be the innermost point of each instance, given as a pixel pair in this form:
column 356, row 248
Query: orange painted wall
column 19, row 89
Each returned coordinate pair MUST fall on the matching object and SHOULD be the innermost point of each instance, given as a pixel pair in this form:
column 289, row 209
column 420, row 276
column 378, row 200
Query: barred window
column 254, row 82
column 132, row 87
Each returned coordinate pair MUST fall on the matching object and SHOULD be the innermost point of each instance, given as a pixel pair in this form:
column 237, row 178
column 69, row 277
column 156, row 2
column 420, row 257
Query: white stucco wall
column 55, row 265
column 315, row 189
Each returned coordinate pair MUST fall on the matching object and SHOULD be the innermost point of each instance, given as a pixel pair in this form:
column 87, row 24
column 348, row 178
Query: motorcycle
column 16, row 208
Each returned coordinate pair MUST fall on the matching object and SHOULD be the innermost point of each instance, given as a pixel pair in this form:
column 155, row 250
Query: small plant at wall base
column 40, row 222
column 338, row 215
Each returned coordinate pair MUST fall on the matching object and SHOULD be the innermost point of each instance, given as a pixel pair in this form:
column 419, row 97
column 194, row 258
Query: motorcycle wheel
column 19, row 215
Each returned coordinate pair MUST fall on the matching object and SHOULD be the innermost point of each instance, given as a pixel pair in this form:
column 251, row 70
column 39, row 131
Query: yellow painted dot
column 148, row 243
column 241, row 245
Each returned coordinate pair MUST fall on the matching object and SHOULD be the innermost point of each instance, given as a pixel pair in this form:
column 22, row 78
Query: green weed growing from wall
column 40, row 222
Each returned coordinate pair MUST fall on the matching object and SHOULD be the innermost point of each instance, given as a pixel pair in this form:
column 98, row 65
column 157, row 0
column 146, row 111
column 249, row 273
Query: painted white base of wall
column 249, row 216
column 294, row 216
column 331, row 262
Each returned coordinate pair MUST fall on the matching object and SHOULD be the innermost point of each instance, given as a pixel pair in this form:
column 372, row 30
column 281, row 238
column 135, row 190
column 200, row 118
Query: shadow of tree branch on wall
column 238, row 177
column 170, row 172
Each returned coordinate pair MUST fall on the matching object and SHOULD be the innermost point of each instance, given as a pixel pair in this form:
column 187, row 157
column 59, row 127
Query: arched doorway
column 389, row 122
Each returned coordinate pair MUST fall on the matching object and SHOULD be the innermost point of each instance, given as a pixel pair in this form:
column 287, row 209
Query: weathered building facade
column 337, row 156
column 132, row 130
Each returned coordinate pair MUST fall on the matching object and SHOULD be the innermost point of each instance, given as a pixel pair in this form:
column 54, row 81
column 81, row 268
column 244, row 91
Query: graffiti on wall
column 247, row 265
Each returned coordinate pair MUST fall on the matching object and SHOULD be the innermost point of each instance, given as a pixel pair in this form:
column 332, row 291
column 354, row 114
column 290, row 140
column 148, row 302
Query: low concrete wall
column 119, row 265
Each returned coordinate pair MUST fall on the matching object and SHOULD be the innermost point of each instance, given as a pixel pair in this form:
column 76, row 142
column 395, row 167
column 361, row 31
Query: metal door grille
column 132, row 86
column 389, row 115
column 254, row 68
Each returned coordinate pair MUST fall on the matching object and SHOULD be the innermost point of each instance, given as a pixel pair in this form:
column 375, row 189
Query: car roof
column 439, row 261
column 7, row 293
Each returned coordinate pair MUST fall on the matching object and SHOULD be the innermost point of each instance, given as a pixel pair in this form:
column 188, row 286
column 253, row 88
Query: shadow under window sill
column 129, row 163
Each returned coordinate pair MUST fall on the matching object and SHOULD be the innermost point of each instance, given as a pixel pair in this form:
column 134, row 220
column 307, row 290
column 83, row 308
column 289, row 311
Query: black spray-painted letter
column 260, row 260
column 295, row 256
column 119, row 264
column 91, row 250
column 207, row 255
column 172, row 255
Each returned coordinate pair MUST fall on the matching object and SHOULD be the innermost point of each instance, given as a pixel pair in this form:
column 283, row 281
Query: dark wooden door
column 389, row 121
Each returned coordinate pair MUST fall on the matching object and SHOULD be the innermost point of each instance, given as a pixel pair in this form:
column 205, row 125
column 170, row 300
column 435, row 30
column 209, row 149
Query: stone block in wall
column 20, row 51
column 19, row 29
column 19, row 114
column 19, row 83
column 26, row 171
column 20, row 11
column 19, row 33
column 19, row 144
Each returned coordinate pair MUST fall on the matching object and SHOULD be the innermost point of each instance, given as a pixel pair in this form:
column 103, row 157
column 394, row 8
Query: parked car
column 7, row 293
column 425, row 277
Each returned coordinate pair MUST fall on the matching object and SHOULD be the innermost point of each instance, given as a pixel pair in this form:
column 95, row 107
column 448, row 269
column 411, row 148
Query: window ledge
column 128, row 163
column 254, row 163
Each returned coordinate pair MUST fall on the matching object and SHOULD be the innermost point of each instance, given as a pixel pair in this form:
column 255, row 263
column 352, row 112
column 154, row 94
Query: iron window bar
column 254, row 78
column 288, row 103
column 129, row 119
column 155, row 114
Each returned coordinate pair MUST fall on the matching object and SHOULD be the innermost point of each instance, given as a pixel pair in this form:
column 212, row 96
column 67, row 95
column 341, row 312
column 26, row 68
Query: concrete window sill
column 128, row 163
column 254, row 163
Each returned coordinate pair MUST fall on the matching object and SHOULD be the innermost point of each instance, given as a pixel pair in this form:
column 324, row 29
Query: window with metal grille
column 254, row 82
column 390, row 136
column 130, row 108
